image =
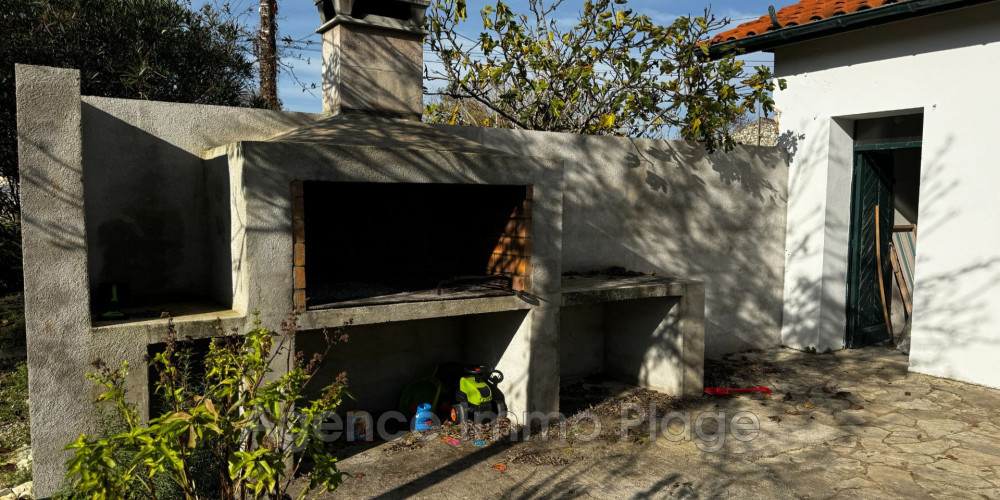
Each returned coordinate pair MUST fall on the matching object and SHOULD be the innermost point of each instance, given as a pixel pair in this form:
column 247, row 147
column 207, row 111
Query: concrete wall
column 581, row 341
column 669, row 207
column 218, row 232
column 148, row 217
column 640, row 340
column 635, row 341
column 56, row 298
column 938, row 65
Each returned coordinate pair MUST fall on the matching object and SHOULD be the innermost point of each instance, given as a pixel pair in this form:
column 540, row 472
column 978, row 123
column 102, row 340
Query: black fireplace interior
column 379, row 243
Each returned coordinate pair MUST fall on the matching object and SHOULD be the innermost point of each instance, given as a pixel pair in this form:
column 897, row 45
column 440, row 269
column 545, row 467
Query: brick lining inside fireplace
column 373, row 243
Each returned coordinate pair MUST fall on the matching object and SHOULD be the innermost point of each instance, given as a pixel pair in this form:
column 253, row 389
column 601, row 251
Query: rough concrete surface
column 670, row 207
column 153, row 206
column 56, row 305
column 854, row 424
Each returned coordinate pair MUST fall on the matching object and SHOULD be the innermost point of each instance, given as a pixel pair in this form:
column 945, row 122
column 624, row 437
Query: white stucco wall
column 946, row 67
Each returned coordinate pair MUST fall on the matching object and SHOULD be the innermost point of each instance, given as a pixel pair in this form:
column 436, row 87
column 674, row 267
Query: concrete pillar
column 56, row 294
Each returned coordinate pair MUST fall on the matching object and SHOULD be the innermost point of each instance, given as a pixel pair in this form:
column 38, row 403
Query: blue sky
column 299, row 19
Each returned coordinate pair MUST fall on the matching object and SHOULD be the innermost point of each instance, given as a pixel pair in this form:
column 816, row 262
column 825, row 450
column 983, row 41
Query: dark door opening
column 886, row 174
column 870, row 237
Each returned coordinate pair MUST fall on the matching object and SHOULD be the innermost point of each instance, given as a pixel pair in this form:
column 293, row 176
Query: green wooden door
column 872, row 186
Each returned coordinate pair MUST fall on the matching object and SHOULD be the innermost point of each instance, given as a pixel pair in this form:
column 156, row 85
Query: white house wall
column 945, row 66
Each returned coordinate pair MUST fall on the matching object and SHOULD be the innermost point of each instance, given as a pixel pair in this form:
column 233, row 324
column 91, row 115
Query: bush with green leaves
column 243, row 419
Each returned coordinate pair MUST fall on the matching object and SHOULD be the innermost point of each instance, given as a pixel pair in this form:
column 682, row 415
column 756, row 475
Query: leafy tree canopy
column 614, row 72
column 162, row 50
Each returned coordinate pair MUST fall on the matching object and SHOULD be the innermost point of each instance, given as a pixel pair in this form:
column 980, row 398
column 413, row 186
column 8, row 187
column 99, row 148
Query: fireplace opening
column 382, row 243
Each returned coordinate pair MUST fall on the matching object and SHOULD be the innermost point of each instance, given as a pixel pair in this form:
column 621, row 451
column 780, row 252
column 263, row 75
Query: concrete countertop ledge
column 592, row 289
column 576, row 290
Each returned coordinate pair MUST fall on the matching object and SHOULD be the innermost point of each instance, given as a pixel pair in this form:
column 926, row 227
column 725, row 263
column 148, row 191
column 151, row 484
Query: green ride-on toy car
column 477, row 396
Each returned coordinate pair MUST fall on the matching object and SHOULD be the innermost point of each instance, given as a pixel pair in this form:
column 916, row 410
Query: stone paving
column 850, row 424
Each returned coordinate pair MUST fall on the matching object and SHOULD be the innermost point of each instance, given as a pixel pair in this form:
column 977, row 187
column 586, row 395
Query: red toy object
column 718, row 391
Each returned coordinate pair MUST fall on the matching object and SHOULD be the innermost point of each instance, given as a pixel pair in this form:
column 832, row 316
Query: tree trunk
column 268, row 57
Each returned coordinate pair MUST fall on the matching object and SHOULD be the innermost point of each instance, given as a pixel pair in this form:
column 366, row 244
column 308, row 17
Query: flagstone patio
column 850, row 424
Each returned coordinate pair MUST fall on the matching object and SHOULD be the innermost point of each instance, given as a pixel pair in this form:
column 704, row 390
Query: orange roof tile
column 803, row 12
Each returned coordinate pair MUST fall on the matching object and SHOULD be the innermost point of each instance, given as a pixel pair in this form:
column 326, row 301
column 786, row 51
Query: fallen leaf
column 791, row 412
column 951, row 457
column 499, row 467
column 767, row 396
column 775, row 418
column 808, row 405
column 359, row 476
column 857, row 407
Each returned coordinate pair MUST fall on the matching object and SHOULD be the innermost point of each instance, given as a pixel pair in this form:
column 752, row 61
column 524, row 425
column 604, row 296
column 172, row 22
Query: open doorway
column 882, row 246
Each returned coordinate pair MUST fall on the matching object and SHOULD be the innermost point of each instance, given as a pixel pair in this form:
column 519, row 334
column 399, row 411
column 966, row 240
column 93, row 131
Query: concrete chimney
column 373, row 56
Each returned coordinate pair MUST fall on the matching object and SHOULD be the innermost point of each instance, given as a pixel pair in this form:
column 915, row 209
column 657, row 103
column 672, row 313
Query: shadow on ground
column 850, row 424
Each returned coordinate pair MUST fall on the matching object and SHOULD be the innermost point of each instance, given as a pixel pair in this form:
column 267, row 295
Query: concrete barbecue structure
column 439, row 243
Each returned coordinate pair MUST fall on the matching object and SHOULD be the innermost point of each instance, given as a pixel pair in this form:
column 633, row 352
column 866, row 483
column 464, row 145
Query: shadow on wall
column 804, row 298
column 372, row 69
column 146, row 206
column 951, row 312
column 64, row 236
column 719, row 219
column 157, row 215
column 956, row 308
column 635, row 341
column 671, row 208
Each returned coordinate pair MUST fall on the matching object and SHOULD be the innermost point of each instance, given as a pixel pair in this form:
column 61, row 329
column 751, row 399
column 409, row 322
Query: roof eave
column 839, row 24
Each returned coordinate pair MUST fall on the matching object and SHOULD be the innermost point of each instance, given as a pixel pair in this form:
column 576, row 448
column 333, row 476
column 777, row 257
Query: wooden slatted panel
column 866, row 314
column 904, row 240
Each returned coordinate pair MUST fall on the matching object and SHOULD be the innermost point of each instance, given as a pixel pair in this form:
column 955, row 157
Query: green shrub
column 14, row 429
column 12, row 327
column 246, row 424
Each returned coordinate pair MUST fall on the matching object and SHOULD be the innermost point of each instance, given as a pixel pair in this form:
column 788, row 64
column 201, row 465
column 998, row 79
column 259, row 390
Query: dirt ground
column 851, row 424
